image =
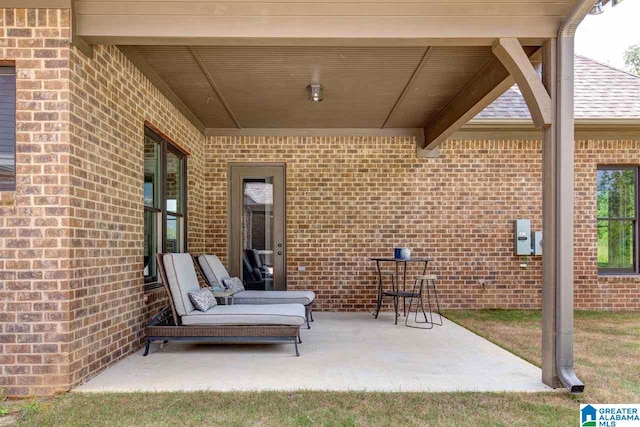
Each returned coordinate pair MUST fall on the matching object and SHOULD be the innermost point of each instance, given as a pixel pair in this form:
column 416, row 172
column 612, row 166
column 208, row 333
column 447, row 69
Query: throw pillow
column 203, row 299
column 233, row 284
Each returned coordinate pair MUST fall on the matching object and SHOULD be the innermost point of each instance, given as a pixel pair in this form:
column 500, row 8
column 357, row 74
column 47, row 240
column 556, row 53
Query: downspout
column 565, row 153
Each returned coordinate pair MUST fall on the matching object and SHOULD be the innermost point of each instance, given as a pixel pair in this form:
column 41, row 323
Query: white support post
column 549, row 375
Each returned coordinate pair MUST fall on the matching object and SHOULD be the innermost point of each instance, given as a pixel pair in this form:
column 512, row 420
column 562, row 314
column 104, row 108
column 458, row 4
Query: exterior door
column 257, row 245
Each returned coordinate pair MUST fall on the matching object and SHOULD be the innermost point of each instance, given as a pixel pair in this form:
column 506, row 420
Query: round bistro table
column 395, row 292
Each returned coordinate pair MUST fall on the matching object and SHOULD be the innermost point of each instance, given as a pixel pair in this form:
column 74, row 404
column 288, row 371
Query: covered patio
column 342, row 351
column 160, row 100
column 249, row 74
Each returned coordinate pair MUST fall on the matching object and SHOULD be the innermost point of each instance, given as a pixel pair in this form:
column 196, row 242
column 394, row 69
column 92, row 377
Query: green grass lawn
column 607, row 359
column 606, row 346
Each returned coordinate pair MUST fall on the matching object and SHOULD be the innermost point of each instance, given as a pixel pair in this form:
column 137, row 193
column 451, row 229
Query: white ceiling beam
column 490, row 82
column 409, row 84
column 133, row 56
column 213, row 84
column 76, row 40
column 311, row 30
column 517, row 62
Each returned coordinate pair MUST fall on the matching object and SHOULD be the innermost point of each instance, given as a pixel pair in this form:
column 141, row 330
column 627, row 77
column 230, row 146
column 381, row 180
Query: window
column 165, row 171
column 7, row 128
column 617, row 204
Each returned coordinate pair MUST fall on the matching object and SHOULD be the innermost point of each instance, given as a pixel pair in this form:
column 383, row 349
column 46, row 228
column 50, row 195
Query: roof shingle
column 601, row 91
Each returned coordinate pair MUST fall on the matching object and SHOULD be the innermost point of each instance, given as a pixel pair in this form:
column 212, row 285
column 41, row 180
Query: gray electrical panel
column 537, row 243
column 522, row 236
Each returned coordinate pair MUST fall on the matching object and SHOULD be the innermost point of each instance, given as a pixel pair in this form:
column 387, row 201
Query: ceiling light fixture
column 598, row 8
column 315, row 92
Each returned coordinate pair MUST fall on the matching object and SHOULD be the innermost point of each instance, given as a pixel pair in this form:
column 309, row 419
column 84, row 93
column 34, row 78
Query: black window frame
column 10, row 135
column 636, row 241
column 167, row 146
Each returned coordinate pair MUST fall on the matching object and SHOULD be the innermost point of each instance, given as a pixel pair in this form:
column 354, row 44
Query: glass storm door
column 257, row 250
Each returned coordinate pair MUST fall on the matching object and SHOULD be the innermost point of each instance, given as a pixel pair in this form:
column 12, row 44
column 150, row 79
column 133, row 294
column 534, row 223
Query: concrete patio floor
column 342, row 351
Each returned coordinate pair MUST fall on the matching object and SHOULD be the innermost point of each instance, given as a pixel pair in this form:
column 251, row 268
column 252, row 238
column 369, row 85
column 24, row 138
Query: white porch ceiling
column 383, row 63
column 265, row 86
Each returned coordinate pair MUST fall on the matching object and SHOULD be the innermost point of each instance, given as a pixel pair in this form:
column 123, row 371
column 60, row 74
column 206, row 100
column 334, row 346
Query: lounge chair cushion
column 275, row 297
column 202, row 299
column 282, row 314
column 181, row 275
column 213, row 269
column 216, row 273
column 233, row 284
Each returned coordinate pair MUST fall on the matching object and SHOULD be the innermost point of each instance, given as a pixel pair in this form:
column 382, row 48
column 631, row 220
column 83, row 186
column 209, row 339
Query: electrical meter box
column 522, row 236
column 537, row 243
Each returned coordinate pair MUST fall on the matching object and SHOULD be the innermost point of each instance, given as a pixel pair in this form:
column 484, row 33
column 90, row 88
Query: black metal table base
column 395, row 292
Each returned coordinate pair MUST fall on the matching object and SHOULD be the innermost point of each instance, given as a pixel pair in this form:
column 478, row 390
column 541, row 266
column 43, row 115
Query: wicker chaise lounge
column 214, row 273
column 221, row 323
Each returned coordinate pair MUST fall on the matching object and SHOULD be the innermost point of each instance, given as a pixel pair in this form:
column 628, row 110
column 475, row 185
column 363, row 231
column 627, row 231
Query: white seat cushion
column 182, row 278
column 213, row 269
column 248, row 314
column 275, row 297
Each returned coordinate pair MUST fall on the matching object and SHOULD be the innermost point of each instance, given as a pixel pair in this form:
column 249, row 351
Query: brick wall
column 110, row 101
column 71, row 235
column 35, row 266
column 352, row 198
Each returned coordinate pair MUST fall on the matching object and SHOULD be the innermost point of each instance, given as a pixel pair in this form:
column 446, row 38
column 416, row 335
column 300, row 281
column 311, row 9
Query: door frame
column 235, row 270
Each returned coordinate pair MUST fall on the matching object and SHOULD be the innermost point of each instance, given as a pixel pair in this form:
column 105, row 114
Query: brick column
column 34, row 220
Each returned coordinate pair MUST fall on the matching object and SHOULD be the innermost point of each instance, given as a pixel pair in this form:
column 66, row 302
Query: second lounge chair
column 214, row 273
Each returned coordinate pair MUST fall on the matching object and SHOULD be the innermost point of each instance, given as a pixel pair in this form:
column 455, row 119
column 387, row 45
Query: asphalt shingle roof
column 601, row 91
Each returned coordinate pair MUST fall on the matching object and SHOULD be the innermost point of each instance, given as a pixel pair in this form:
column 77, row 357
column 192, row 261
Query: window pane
column 174, row 231
column 164, row 168
column 257, row 233
column 616, row 193
column 615, row 244
column 174, row 183
column 150, row 244
column 7, row 128
column 151, row 172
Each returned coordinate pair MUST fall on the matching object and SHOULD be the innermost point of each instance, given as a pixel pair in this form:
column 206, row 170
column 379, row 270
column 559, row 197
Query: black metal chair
column 253, row 278
column 417, row 292
column 394, row 293
column 382, row 293
column 253, row 257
